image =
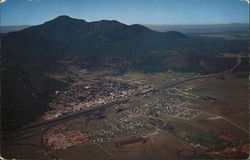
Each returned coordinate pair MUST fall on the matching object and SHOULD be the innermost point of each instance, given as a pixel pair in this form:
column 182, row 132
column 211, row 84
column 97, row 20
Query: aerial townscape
column 87, row 87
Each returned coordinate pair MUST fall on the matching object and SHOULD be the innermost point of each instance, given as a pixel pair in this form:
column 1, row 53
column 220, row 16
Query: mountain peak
column 63, row 17
column 63, row 22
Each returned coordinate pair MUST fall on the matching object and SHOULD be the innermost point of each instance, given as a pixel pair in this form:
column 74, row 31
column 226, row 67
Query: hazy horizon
column 184, row 28
column 204, row 24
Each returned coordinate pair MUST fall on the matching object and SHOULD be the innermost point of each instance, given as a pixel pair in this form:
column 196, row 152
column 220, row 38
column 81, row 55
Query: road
column 22, row 134
column 103, row 106
column 69, row 117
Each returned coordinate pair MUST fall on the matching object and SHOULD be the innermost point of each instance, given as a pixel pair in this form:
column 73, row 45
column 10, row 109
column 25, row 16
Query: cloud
column 1, row 1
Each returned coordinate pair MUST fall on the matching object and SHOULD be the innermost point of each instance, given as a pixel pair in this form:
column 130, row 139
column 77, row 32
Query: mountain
column 68, row 35
column 95, row 43
column 105, row 30
column 111, row 44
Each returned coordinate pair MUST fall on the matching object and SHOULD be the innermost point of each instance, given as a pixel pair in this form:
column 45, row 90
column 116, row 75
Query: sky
column 33, row 12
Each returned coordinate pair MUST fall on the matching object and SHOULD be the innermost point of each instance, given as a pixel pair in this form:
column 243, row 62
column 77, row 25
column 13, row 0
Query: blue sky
column 33, row 12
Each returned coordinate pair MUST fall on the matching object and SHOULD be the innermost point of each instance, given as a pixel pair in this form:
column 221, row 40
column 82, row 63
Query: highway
column 22, row 133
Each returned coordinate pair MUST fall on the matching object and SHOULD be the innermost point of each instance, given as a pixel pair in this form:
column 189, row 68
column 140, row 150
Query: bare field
column 230, row 97
column 158, row 147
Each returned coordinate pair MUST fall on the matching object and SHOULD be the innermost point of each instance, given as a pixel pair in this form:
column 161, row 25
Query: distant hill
column 212, row 28
column 2, row 34
column 7, row 29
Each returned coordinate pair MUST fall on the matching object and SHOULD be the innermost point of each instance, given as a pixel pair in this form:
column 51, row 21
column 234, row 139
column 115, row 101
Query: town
column 129, row 120
column 88, row 94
